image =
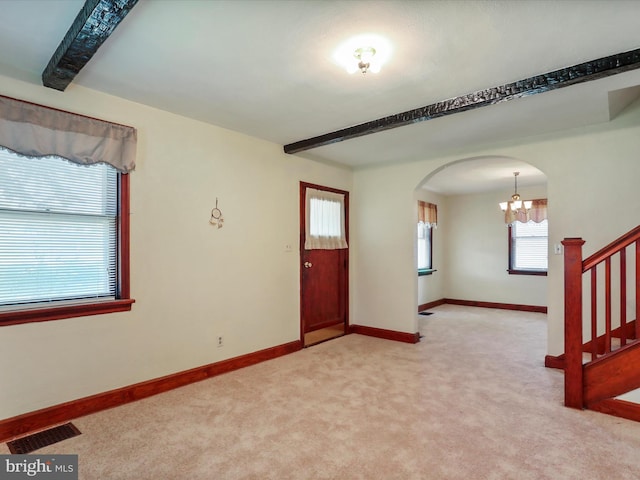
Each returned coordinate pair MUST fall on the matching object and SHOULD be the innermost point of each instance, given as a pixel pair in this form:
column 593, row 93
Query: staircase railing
column 599, row 344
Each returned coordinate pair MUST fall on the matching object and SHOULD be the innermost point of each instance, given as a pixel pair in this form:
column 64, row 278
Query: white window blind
column 529, row 245
column 424, row 245
column 427, row 219
column 325, row 222
column 58, row 230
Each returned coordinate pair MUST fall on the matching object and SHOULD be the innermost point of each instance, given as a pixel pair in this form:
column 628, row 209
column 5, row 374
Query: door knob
column 308, row 264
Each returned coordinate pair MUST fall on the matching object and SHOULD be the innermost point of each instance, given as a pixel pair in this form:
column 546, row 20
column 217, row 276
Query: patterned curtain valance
column 537, row 213
column 427, row 213
column 37, row 131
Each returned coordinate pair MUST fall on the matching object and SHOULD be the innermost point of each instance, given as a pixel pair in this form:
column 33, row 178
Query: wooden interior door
column 323, row 276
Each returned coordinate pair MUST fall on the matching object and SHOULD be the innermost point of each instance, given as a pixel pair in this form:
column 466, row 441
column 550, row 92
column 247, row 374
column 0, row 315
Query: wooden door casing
column 323, row 276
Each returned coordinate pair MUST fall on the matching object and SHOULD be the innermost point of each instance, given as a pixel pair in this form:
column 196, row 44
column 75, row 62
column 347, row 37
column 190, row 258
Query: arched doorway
column 470, row 245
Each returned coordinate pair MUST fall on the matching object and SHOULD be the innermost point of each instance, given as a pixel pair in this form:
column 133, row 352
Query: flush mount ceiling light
column 366, row 53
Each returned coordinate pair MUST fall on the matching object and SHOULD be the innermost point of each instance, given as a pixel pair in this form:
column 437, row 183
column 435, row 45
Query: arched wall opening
column 470, row 244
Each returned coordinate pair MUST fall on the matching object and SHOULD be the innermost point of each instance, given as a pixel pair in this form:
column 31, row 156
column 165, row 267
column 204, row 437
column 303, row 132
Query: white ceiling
column 483, row 174
column 265, row 67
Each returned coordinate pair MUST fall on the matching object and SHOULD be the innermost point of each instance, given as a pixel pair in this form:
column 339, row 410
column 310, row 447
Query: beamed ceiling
column 463, row 74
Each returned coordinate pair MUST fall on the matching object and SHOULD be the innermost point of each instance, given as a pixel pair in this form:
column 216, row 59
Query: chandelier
column 516, row 205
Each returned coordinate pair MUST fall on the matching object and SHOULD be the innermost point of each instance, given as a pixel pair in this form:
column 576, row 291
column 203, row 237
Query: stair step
column 633, row 396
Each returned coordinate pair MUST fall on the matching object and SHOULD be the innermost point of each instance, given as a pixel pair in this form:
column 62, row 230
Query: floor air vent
column 25, row 445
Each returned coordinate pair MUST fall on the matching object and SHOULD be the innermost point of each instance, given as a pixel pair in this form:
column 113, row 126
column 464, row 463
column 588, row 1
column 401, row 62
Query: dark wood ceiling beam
column 583, row 72
column 93, row 25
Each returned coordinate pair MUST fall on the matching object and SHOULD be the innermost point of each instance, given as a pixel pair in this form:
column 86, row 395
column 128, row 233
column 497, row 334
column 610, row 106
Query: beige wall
column 591, row 172
column 471, row 252
column 191, row 281
column 476, row 256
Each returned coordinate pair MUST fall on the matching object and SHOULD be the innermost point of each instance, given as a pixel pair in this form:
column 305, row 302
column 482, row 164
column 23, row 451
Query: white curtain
column 37, row 131
column 324, row 222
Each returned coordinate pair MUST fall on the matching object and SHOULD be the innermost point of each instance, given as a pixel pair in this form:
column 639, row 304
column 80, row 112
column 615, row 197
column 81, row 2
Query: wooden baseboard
column 504, row 306
column 386, row 334
column 27, row 423
column 554, row 362
column 428, row 305
column 618, row 408
column 475, row 303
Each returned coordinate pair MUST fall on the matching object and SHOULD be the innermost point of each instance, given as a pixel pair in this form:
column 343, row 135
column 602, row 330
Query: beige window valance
column 37, row 131
column 427, row 214
column 537, row 213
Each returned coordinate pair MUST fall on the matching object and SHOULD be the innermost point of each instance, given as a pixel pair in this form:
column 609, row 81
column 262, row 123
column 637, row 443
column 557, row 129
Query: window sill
column 426, row 271
column 542, row 273
column 29, row 315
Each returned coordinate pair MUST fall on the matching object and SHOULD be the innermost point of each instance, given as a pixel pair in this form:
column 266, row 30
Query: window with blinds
column 58, row 230
column 529, row 246
column 427, row 222
column 425, row 233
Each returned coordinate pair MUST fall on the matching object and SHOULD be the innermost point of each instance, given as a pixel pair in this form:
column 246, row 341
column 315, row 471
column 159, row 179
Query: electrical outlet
column 220, row 341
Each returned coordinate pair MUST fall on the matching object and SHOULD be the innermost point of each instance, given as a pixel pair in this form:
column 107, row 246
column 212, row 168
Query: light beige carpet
column 471, row 401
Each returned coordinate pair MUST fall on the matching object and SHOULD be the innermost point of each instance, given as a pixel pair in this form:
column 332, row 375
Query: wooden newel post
column 573, row 322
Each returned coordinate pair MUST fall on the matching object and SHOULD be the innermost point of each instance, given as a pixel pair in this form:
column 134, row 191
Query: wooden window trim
column 540, row 273
column 123, row 301
column 429, row 269
column 513, row 271
column 430, row 266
